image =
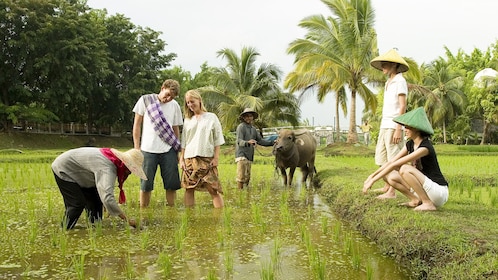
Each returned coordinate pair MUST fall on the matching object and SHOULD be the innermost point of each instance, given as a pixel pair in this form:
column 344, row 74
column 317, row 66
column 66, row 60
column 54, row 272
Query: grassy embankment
column 459, row 241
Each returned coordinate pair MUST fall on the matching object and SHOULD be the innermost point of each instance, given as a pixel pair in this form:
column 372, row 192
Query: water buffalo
column 295, row 149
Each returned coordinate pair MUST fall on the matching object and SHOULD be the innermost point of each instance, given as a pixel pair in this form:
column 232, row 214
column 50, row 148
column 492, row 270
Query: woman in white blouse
column 201, row 139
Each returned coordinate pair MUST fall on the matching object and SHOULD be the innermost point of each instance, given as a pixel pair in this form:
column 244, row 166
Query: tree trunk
column 444, row 132
column 485, row 132
column 337, row 126
column 352, row 134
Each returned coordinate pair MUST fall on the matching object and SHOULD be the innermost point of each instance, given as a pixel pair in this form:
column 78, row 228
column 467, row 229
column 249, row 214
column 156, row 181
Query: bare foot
column 425, row 207
column 411, row 204
column 384, row 189
column 387, row 195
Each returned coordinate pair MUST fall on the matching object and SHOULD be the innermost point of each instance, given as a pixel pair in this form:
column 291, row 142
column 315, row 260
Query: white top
column 150, row 141
column 397, row 86
column 201, row 135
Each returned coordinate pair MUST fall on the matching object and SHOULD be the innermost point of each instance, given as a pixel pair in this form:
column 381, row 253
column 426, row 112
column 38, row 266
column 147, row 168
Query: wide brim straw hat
column 390, row 56
column 133, row 159
column 417, row 119
column 248, row 111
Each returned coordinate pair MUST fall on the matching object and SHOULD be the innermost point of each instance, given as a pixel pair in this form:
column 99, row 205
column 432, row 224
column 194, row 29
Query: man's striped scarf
column 161, row 125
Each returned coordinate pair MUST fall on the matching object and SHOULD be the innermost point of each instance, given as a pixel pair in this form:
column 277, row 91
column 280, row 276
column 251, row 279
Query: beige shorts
column 385, row 149
column 243, row 170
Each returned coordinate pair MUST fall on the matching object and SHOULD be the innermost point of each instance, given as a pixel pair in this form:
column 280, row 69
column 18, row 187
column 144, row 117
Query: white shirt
column 201, row 135
column 150, row 141
column 393, row 88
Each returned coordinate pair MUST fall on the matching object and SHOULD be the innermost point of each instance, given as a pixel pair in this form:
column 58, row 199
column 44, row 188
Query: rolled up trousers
column 77, row 198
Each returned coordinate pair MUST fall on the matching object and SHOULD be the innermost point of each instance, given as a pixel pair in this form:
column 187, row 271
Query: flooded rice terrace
column 264, row 232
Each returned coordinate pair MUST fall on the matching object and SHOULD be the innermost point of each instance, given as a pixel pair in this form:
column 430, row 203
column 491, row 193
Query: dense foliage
column 65, row 62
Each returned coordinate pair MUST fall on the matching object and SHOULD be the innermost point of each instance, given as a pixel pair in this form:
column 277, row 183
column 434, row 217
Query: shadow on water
column 265, row 232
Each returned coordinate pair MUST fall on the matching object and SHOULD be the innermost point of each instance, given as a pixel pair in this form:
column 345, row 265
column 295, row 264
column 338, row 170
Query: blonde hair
column 196, row 95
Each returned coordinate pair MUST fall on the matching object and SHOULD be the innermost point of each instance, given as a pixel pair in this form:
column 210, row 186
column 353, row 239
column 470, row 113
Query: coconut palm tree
column 315, row 81
column 241, row 84
column 336, row 54
column 448, row 100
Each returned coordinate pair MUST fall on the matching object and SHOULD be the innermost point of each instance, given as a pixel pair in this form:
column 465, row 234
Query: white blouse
column 200, row 135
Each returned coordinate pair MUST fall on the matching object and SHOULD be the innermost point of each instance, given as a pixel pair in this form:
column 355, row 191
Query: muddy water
column 265, row 232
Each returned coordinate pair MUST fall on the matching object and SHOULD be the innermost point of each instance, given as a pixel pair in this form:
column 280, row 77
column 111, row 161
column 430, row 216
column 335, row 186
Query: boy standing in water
column 247, row 138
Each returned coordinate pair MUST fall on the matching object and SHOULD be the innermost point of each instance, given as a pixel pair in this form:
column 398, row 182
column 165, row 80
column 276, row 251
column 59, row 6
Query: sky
column 196, row 29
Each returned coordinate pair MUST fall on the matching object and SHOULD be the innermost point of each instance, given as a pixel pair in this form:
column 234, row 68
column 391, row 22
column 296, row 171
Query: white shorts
column 438, row 194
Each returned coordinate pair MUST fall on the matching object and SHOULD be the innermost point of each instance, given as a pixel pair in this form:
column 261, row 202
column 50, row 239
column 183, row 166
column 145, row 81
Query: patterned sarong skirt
column 201, row 176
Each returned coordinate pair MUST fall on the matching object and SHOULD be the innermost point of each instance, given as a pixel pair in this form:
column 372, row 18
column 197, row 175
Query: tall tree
column 448, row 100
column 482, row 101
column 22, row 49
column 339, row 49
column 243, row 84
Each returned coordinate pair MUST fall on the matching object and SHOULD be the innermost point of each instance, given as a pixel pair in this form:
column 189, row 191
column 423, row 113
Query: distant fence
column 66, row 128
column 324, row 135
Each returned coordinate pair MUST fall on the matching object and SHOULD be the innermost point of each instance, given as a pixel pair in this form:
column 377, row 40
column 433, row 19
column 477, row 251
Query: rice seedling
column 63, row 242
column 33, row 231
column 181, row 232
column 165, row 264
column 267, row 272
column 227, row 220
column 78, row 265
column 275, row 252
column 348, row 244
column 144, row 238
column 369, row 271
column 257, row 216
column 129, row 268
column 355, row 258
column 324, row 223
column 92, row 239
column 285, row 214
column 228, row 259
column 212, row 275
column 318, row 266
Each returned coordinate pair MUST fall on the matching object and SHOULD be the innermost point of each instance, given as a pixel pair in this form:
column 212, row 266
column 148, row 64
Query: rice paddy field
column 264, row 232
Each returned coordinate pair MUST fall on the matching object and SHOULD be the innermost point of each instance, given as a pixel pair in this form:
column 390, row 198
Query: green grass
column 459, row 241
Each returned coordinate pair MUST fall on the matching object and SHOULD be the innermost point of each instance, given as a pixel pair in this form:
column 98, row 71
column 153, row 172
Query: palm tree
column 336, row 52
column 307, row 82
column 241, row 84
column 448, row 99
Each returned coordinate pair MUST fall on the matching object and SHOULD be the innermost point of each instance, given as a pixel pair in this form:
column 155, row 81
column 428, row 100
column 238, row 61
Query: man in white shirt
column 390, row 140
column 161, row 116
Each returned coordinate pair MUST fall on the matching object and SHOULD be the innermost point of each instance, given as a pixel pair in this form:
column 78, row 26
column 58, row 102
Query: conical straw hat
column 133, row 159
column 390, row 56
column 248, row 111
column 417, row 119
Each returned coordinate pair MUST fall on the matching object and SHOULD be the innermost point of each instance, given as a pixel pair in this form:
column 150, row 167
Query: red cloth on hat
column 122, row 171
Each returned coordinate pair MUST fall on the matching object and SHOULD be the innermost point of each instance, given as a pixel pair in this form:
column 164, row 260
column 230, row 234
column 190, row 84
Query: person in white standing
column 390, row 140
column 156, row 132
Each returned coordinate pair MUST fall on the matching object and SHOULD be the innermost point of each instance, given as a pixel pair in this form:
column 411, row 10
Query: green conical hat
column 416, row 119
column 390, row 56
